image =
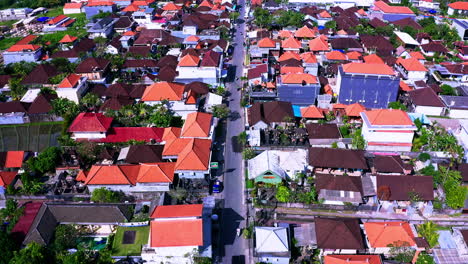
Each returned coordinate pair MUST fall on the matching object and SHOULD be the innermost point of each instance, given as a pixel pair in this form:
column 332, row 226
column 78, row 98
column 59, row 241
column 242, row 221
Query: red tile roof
column 353, row 55
column 352, row 259
column 72, row 5
column 163, row 91
column 304, row 32
column 171, row 7
column 194, row 156
column 189, row 61
column 125, row 134
column 70, row 81
column 68, row 39
column 291, row 43
column 26, row 40
column 176, row 233
column 354, row 110
column 57, row 19
column 81, row 177
column 266, row 43
column 289, row 55
column 7, row 177
column 14, row 159
column 411, row 64
column 291, row 69
column 285, row 34
column 373, row 58
column 368, row 68
column 25, row 47
column 100, row 3
column 384, row 7
column 308, row 57
column 175, row 211
column 318, row 44
column 405, row 87
column 381, row 234
column 389, row 117
column 311, row 112
column 335, row 55
column 459, row 5
column 417, row 55
column 156, row 172
column 298, row 78
column 90, row 122
column 197, row 125
column 171, row 133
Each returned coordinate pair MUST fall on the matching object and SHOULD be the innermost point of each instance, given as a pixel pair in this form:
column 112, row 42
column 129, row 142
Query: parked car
column 217, row 187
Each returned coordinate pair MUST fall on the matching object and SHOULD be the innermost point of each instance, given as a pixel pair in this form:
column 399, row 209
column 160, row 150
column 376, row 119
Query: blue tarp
column 321, row 27
column 42, row 19
column 432, row 11
column 297, row 110
column 422, row 117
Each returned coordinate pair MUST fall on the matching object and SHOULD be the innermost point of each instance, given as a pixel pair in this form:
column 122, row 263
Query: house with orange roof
column 354, row 56
column 178, row 233
column 198, row 125
column 311, row 112
column 298, row 88
column 6, row 178
column 145, row 177
column 387, row 130
column 411, row 69
column 335, row 55
column 352, row 259
column 353, row 111
column 178, row 100
column 263, row 48
column 310, row 63
column 319, row 45
column 291, row 44
column 22, row 51
column 372, row 85
column 304, row 33
column 373, row 58
column 205, row 67
column 72, row 87
column 384, row 11
column 73, row 8
column 68, row 42
column 379, row 235
column 459, row 7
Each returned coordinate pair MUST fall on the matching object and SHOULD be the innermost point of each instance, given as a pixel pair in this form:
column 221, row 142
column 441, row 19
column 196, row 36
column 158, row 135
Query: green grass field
column 32, row 137
column 8, row 42
column 119, row 249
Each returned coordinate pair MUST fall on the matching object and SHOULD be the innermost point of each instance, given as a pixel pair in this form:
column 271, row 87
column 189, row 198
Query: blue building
column 298, row 88
column 372, row 85
column 95, row 8
column 22, row 52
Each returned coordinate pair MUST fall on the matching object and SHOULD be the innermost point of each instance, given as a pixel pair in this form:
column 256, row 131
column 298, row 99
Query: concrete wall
column 429, row 110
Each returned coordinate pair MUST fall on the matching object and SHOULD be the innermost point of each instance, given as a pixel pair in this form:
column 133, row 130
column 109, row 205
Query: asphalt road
column 234, row 249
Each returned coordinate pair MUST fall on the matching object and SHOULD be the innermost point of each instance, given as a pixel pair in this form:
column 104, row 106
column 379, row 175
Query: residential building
column 101, row 28
column 426, row 101
column 390, row 13
column 22, row 52
column 95, row 7
column 387, row 130
column 95, row 69
column 457, row 106
column 90, row 126
column 458, row 8
column 272, row 244
column 338, row 235
column 411, row 69
column 274, row 166
column 338, row 161
column 178, row 233
column 339, row 189
column 73, row 8
column 298, row 88
column 372, row 85
column 354, row 259
column 323, row 134
column 461, row 25
column 206, row 68
column 72, row 87
column 270, row 114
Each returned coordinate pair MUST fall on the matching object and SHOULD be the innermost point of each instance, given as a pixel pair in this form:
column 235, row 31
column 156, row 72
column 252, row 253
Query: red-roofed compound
column 7, row 177
column 24, row 223
column 368, row 68
column 14, row 159
column 460, row 6
column 387, row 130
column 385, row 8
column 90, row 125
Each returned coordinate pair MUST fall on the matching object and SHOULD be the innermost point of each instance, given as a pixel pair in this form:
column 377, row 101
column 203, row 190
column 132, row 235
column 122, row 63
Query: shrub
column 424, row 157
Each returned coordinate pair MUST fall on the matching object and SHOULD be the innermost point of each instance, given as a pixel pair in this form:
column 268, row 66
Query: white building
column 72, row 87
column 387, row 130
column 457, row 106
column 272, row 244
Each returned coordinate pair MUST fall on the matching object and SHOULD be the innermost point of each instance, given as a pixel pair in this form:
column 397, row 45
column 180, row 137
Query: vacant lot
column 32, row 137
column 119, row 248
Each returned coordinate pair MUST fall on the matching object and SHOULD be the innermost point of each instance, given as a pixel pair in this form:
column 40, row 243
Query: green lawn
column 119, row 249
column 8, row 23
column 53, row 12
column 77, row 29
column 8, row 42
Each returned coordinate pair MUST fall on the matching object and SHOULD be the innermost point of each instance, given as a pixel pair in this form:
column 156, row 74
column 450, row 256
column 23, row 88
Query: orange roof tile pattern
column 459, row 5
column 70, row 81
column 284, row 34
column 318, row 44
column 171, row 7
column 72, row 5
column 195, row 155
column 417, row 55
column 311, row 112
column 171, row 133
column 175, row 211
column 130, row 174
column 156, row 172
column 14, row 159
column 291, row 69
column 68, row 39
column 308, row 57
column 384, row 7
column 373, row 58
column 304, row 32
column 368, row 68
column 100, row 3
column 353, row 55
column 354, row 110
column 189, row 61
column 23, row 48
column 391, row 117
column 163, row 91
column 411, row 64
column 266, row 43
column 335, row 55
column 381, row 234
column 197, row 125
column 176, row 233
column 405, row 87
column 192, row 38
column 289, row 55
column 291, row 43
column 352, row 259
column 298, row 78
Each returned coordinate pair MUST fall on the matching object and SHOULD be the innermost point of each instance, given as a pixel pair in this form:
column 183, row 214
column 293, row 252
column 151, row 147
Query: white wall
column 88, row 135
column 429, row 110
column 416, row 75
column 71, row 11
column 458, row 113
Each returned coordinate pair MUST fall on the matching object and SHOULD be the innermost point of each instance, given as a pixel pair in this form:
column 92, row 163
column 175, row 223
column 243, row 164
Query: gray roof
column 52, row 214
column 455, row 102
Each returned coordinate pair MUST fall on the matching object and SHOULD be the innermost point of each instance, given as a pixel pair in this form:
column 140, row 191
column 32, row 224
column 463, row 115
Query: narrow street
column 234, row 249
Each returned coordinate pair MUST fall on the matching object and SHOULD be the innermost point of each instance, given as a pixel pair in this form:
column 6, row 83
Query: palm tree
column 429, row 231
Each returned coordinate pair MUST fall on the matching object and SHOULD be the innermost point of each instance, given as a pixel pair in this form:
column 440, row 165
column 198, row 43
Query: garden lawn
column 120, row 249
column 8, row 22
column 8, row 42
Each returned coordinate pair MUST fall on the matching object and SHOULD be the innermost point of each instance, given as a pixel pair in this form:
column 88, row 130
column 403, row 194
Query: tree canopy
column 45, row 161
column 104, row 195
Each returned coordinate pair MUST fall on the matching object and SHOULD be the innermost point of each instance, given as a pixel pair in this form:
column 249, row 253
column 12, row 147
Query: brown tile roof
column 338, row 233
column 401, row 186
column 197, row 87
column 337, row 158
column 270, row 112
column 92, row 65
column 338, row 183
column 210, row 59
column 425, row 97
column 140, row 63
column 40, row 74
column 322, row 131
column 389, row 164
column 407, row 22
column 42, row 104
column 144, row 154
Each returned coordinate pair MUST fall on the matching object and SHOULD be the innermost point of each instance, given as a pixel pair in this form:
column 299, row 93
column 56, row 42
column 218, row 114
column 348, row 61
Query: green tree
column 455, row 194
column 33, row 253
column 11, row 213
column 424, row 258
column 248, row 153
column 283, row 194
column 357, row 140
column 17, row 90
column 31, row 185
column 220, row 90
column 448, row 90
column 7, row 247
column 102, row 15
column 242, row 138
column 90, row 101
column 103, row 195
column 429, row 231
column 45, row 161
column 397, row 105
column 63, row 65
column 220, row 111
column 64, row 108
column 65, row 237
column 234, row 16
column 424, row 157
column 263, row 17
column 410, row 30
column 57, row 78
column 290, row 18
column 331, row 24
